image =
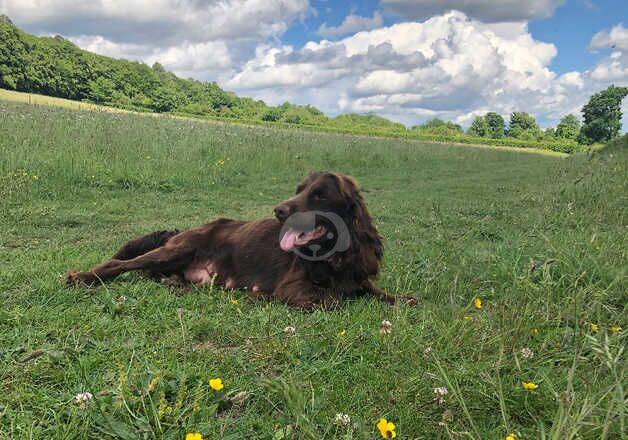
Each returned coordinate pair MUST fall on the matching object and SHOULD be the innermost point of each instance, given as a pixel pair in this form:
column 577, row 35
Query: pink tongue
column 289, row 239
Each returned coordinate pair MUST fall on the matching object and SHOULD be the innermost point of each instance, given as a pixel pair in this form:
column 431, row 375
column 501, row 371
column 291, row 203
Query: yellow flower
column 216, row 384
column 511, row 436
column 595, row 328
column 530, row 386
column 342, row 332
column 468, row 318
column 386, row 428
column 193, row 436
column 477, row 303
column 535, row 331
column 234, row 301
column 615, row 328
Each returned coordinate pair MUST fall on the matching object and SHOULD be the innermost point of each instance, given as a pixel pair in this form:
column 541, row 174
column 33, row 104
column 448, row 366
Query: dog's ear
column 349, row 190
column 347, row 185
column 366, row 249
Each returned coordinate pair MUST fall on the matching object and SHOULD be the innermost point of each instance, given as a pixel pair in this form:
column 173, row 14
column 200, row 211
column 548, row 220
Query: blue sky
column 409, row 60
column 573, row 26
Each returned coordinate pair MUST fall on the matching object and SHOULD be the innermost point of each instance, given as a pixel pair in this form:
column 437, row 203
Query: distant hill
column 56, row 67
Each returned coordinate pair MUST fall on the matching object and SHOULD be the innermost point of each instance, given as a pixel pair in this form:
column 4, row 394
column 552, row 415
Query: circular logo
column 314, row 235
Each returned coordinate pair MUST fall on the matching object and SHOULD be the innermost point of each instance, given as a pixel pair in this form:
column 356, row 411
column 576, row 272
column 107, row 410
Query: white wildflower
column 82, row 398
column 385, row 327
column 440, row 394
column 526, row 353
column 342, row 419
column 290, row 330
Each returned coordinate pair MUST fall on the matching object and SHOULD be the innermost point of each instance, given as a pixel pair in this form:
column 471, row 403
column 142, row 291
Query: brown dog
column 321, row 246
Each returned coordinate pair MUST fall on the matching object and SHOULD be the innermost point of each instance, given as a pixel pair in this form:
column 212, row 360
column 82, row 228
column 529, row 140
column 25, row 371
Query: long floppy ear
column 366, row 249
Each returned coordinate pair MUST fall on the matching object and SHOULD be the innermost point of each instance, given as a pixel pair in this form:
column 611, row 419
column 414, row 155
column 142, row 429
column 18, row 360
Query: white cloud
column 485, row 10
column 352, row 24
column 100, row 45
column 200, row 39
column 449, row 66
column 208, row 60
column 617, row 38
column 158, row 21
column 613, row 68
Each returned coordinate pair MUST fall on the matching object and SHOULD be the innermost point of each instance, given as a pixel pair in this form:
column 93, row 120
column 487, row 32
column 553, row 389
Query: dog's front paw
column 73, row 278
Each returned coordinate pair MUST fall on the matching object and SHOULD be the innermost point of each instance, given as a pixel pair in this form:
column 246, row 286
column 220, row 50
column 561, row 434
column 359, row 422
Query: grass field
column 541, row 240
column 35, row 99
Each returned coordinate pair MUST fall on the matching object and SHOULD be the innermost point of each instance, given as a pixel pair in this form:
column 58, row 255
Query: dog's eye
column 318, row 195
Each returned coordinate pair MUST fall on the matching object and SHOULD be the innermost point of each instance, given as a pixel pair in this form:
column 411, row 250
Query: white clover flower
column 440, row 394
column 83, row 398
column 342, row 419
column 526, row 353
column 385, row 327
column 290, row 330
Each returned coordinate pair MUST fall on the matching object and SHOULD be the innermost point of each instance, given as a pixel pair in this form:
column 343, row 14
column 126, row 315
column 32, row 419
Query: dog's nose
column 282, row 212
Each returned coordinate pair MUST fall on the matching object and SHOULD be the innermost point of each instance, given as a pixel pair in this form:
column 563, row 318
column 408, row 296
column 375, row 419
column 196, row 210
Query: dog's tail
column 145, row 243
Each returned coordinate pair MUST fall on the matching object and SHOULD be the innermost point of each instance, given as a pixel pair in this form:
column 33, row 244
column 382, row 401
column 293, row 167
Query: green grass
column 35, row 99
column 540, row 239
column 558, row 148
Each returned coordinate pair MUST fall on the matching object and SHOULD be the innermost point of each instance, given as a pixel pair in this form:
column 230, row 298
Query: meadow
column 539, row 240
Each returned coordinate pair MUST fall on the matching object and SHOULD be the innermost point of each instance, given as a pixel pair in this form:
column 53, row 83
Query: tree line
column 54, row 66
column 602, row 122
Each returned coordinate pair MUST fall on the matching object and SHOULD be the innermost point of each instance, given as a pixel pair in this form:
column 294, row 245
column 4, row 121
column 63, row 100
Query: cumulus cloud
column 450, row 66
column 485, row 10
column 352, row 24
column 613, row 68
column 196, row 60
column 158, row 21
column 201, row 39
column 617, row 38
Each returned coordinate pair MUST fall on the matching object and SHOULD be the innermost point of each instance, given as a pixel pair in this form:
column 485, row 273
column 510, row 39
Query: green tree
column 568, row 127
column 602, row 116
column 523, row 126
column 436, row 123
column 496, row 125
column 164, row 99
column 272, row 115
column 479, row 127
column 549, row 133
column 157, row 67
column 101, row 90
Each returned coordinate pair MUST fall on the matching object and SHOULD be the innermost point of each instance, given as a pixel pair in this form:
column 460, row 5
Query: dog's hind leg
column 164, row 259
column 145, row 243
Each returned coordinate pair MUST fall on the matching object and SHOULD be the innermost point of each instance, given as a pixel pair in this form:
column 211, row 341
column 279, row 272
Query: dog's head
column 328, row 220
